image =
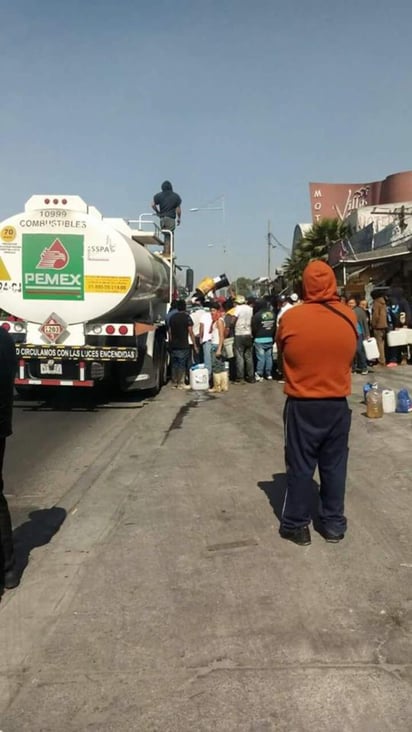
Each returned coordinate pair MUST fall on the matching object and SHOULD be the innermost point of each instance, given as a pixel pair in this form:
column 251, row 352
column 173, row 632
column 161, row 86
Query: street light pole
column 272, row 243
column 269, row 248
column 221, row 207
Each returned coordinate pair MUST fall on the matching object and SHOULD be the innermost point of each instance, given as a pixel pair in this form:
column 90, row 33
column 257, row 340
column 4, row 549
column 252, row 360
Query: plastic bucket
column 228, row 346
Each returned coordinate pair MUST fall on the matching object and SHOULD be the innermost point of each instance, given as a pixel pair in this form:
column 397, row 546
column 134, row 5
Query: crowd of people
column 385, row 310
column 233, row 337
column 236, row 336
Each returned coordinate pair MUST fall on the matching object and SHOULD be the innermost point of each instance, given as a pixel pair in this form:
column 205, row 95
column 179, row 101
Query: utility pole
column 269, row 248
column 273, row 242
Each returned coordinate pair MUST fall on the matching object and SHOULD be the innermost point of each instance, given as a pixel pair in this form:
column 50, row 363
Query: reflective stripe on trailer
column 53, row 382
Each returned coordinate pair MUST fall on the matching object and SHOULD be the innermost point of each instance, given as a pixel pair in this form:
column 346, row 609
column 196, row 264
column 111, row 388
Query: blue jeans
column 264, row 358
column 180, row 364
column 218, row 363
column 360, row 361
column 207, row 355
column 244, row 357
column 316, row 434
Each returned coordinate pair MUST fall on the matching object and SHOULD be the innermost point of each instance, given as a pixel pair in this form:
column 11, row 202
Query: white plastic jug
column 371, row 349
column 397, row 337
column 388, row 401
column 199, row 378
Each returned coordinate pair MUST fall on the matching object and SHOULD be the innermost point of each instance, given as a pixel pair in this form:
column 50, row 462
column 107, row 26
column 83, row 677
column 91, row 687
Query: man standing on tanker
column 8, row 365
column 318, row 342
column 166, row 205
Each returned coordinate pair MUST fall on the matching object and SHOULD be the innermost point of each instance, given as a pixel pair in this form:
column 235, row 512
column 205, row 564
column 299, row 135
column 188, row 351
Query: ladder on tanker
column 144, row 235
column 153, row 235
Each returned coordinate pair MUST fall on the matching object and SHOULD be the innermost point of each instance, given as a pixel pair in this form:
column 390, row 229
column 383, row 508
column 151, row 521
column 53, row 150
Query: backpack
column 394, row 315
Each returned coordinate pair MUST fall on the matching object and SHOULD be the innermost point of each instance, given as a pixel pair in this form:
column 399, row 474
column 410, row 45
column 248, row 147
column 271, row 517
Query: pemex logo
column 54, row 257
column 53, row 267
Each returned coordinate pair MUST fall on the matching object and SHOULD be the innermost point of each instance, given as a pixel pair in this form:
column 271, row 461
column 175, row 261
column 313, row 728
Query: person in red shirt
column 317, row 341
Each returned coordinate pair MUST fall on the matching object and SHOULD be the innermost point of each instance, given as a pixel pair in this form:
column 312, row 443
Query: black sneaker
column 299, row 536
column 11, row 579
column 330, row 537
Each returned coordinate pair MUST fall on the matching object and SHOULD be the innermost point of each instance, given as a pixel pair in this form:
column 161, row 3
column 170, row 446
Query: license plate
column 52, row 369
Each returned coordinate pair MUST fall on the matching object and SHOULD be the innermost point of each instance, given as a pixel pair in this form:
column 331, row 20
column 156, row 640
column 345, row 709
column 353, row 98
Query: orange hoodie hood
column 319, row 282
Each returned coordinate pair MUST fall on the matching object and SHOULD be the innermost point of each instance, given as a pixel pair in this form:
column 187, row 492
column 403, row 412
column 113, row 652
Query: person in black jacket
column 167, row 205
column 8, row 365
column 263, row 331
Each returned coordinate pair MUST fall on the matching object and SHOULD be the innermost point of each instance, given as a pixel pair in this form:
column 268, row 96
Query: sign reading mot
column 52, row 267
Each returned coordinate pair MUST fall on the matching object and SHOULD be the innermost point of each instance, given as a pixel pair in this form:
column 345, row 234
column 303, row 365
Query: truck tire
column 157, row 385
column 164, row 365
column 160, row 368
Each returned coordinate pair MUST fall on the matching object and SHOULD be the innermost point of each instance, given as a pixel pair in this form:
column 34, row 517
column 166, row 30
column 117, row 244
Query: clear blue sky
column 251, row 100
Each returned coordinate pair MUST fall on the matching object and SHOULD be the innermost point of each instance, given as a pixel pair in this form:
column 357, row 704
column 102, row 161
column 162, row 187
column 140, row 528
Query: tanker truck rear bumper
column 67, row 365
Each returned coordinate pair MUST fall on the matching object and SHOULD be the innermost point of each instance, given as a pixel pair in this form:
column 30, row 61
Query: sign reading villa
column 338, row 200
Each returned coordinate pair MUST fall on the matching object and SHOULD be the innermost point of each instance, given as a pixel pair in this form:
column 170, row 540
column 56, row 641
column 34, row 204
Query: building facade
column 339, row 200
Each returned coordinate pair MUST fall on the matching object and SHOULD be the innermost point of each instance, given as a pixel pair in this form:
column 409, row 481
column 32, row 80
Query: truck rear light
column 96, row 371
column 55, row 201
column 47, row 200
column 19, row 327
column 123, row 330
column 95, row 329
column 64, row 201
column 6, row 326
column 110, row 329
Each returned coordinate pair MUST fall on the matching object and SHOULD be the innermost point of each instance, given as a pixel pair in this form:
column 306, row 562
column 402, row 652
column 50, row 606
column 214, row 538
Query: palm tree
column 294, row 266
column 315, row 244
column 320, row 237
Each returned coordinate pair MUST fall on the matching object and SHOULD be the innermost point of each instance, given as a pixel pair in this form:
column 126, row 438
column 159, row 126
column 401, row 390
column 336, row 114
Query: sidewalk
column 168, row 602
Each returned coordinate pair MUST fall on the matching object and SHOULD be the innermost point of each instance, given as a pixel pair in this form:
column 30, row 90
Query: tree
column 294, row 266
column 320, row 237
column 315, row 244
column 242, row 286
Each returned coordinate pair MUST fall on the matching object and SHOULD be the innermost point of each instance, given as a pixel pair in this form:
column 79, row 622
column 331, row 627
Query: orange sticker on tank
column 8, row 233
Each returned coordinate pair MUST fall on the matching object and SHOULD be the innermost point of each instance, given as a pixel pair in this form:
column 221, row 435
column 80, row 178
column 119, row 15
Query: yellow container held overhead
column 210, row 284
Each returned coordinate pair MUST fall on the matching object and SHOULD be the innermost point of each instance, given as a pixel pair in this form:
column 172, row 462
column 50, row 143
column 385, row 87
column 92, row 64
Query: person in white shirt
column 243, row 341
column 205, row 338
column 196, row 314
column 290, row 302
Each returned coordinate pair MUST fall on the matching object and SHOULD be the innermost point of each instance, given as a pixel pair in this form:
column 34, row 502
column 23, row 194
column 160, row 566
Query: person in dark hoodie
column 359, row 362
column 8, row 365
column 399, row 316
column 318, row 341
column 167, row 205
column 263, row 331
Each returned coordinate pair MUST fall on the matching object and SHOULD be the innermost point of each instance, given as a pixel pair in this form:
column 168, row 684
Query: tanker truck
column 87, row 294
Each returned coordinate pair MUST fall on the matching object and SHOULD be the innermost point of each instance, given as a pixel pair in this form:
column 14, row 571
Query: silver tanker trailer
column 87, row 295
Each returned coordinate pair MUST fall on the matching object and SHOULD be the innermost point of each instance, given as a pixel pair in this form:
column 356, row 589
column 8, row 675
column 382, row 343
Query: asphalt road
column 165, row 600
column 56, row 441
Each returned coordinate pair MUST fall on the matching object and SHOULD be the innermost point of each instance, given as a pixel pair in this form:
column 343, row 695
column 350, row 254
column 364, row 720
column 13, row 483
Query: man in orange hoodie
column 317, row 340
